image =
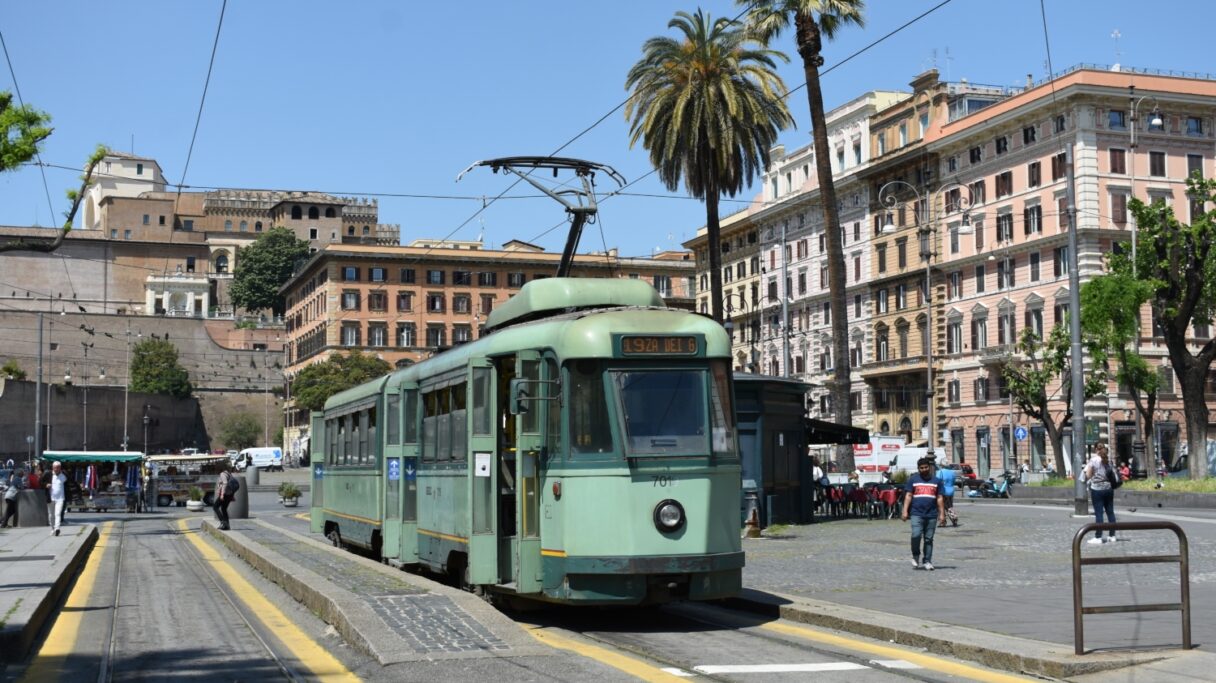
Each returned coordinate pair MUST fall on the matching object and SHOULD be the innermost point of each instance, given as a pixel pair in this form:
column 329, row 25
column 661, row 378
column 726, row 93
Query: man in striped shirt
column 925, row 507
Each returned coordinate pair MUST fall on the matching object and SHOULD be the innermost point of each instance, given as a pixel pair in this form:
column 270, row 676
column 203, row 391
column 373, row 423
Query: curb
column 353, row 618
column 1017, row 655
column 15, row 644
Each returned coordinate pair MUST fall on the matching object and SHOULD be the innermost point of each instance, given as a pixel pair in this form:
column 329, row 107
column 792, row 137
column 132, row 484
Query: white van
column 908, row 456
column 270, row 458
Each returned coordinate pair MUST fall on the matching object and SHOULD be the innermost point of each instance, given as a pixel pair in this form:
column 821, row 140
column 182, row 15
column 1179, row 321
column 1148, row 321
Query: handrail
column 1182, row 558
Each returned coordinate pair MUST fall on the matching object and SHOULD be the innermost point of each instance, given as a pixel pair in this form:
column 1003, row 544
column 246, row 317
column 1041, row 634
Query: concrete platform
column 35, row 570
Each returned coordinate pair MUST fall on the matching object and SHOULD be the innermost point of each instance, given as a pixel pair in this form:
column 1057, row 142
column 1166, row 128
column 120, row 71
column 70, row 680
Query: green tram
column 582, row 452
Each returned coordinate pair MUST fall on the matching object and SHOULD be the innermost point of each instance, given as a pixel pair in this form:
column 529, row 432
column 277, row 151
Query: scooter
column 991, row 489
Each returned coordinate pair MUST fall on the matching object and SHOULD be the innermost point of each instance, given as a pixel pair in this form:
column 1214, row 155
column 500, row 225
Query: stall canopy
column 821, row 432
column 93, row 456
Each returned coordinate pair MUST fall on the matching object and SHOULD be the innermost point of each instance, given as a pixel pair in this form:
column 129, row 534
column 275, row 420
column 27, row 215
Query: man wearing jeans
column 925, row 507
column 56, row 484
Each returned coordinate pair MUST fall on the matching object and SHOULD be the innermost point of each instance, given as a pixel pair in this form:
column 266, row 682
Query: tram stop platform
column 35, row 570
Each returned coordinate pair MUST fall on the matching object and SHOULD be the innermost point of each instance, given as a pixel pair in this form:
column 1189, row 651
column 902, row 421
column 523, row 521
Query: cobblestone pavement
column 1006, row 569
column 426, row 623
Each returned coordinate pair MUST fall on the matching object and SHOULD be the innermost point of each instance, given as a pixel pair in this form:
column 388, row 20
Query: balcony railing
column 1001, row 353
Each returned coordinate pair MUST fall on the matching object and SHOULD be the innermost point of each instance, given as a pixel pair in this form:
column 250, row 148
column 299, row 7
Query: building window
column 901, row 253
column 139, row 169
column 350, row 300
column 952, row 164
column 1004, row 184
column 1061, row 313
column 377, row 301
column 350, row 334
column 377, row 274
column 461, row 334
column 977, row 155
column 953, row 391
column 856, row 305
column 221, row 263
column 407, row 276
column 1118, row 160
column 462, row 303
column 257, row 227
column 313, row 214
column 436, row 336
column 160, row 220
column 1032, row 220
column 981, row 395
column 881, row 345
column 434, row 277
column 350, row 274
column 189, row 264
column 954, row 336
column 882, row 143
column 113, row 233
column 1002, row 145
column 956, row 284
column 980, row 276
column 1059, row 124
column 903, row 134
column 487, row 303
column 487, row 279
column 880, row 298
column 1118, row 208
column 1156, row 164
column 312, row 233
column 979, row 333
column 1117, row 119
column 407, row 335
column 901, row 297
column 1004, row 227
column 1034, row 321
column 1034, row 174
column 1059, row 164
column 881, row 253
column 1029, row 133
column 1194, row 165
column 1060, row 262
column 436, row 303
column 1006, row 330
column 244, row 226
column 296, row 213
column 377, row 334
column 1034, row 266
column 827, row 313
column 1005, row 270
column 405, row 302
column 461, row 278
column 979, row 192
column 1194, row 125
column 802, row 282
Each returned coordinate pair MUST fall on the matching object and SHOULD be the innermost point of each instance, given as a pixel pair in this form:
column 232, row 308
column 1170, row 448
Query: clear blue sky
column 395, row 97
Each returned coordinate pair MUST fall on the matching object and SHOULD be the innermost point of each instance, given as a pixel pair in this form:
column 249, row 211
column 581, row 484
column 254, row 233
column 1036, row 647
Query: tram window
column 352, row 439
column 663, row 411
column 369, row 436
column 411, row 416
column 553, row 434
column 590, row 430
column 331, row 455
column 430, row 426
column 459, row 421
column 394, row 419
column 721, row 413
column 531, row 420
column 481, row 400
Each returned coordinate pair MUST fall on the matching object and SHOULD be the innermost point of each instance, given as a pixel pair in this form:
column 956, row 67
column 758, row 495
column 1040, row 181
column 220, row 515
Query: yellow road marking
column 303, row 516
column 923, row 660
column 306, row 650
column 48, row 664
column 629, row 665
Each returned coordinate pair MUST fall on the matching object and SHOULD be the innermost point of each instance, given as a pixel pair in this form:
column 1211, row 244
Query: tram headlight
column 668, row 516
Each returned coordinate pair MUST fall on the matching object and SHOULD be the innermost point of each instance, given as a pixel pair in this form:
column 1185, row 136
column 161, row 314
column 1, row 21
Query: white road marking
column 678, row 672
column 894, row 664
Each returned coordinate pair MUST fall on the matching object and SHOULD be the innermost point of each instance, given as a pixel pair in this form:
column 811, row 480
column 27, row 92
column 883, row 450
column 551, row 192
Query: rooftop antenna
column 948, row 59
column 1118, row 55
column 580, row 204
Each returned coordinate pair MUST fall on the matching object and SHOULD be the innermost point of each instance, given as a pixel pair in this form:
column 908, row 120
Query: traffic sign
column 1020, row 433
column 1091, row 432
column 394, row 469
column 318, row 472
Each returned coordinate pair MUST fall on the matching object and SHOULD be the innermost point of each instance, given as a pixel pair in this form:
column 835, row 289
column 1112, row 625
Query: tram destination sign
column 660, row 345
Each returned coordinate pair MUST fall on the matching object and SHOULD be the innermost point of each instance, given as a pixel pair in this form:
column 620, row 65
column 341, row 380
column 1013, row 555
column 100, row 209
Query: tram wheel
column 335, row 537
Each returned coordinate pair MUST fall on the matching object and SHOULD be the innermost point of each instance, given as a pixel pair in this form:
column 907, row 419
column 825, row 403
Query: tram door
column 392, row 476
column 401, row 475
column 530, row 428
column 483, row 476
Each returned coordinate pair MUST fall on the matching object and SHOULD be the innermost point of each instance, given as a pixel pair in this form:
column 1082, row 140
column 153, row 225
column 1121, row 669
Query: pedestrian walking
column 16, row 482
column 57, row 485
column 948, row 477
column 922, row 505
column 1099, row 475
column 224, row 494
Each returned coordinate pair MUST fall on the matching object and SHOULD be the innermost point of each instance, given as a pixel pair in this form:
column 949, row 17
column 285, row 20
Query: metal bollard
column 239, row 507
column 753, row 514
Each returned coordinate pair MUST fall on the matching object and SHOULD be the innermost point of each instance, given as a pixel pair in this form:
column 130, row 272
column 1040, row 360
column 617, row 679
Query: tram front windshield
column 663, row 411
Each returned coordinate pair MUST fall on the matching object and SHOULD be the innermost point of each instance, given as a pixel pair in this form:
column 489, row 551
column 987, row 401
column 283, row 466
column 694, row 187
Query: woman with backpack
column 16, row 482
column 1102, row 481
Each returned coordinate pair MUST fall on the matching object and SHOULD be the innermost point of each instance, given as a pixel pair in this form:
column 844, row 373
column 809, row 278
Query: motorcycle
column 991, row 489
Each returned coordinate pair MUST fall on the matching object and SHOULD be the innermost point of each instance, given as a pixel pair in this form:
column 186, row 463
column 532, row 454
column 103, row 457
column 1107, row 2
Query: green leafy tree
column 708, row 107
column 316, row 383
column 1045, row 376
column 11, row 370
column 155, row 370
column 1177, row 261
column 263, row 267
column 240, row 431
column 1110, row 312
column 22, row 132
column 813, row 21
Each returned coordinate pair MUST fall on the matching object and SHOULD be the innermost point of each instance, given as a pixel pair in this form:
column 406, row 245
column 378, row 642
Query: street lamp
column 1154, row 122
column 888, row 197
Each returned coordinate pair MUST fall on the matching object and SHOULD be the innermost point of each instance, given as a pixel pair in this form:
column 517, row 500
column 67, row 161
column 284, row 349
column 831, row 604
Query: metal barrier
column 1182, row 558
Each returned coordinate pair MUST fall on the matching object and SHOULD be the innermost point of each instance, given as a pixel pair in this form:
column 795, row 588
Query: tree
column 814, row 20
column 1030, row 381
column 263, row 267
column 316, row 383
column 22, row 131
column 240, row 431
column 155, row 370
column 1176, row 260
column 1110, row 312
column 12, row 370
column 708, row 108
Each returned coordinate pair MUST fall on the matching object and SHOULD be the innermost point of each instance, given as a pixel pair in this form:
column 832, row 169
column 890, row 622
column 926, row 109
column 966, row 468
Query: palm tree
column 707, row 106
column 813, row 21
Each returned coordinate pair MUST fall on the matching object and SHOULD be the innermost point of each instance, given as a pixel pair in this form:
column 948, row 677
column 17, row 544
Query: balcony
column 997, row 355
column 892, row 366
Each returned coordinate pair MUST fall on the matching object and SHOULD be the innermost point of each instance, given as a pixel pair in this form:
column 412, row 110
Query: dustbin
column 252, row 474
column 239, row 507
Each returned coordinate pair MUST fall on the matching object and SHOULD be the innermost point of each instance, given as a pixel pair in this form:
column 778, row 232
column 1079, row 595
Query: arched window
column 367, row 230
column 329, row 212
column 221, row 263
column 905, row 428
column 313, row 214
column 244, row 226
column 884, row 428
column 350, row 230
column 257, row 227
column 227, row 226
column 296, row 213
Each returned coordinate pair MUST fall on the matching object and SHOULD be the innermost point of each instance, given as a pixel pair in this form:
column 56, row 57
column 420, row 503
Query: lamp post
column 1154, row 122
column 84, row 439
column 888, row 196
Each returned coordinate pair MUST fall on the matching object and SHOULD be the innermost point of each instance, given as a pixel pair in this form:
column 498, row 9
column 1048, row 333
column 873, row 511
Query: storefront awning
column 93, row 456
column 822, row 432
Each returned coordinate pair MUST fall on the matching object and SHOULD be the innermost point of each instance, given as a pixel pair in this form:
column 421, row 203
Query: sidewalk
column 35, row 569
column 1001, row 594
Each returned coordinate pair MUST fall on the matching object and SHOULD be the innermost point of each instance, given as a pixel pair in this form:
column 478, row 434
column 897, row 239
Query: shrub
column 288, row 490
column 196, row 494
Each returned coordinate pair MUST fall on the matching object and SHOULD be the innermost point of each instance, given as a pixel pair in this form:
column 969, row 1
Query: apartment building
column 404, row 303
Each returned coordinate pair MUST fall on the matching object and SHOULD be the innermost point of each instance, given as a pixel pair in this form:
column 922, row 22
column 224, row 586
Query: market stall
column 101, row 480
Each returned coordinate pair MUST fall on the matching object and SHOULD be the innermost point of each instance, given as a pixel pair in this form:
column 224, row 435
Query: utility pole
column 1080, row 504
column 785, row 302
column 38, row 395
column 126, row 392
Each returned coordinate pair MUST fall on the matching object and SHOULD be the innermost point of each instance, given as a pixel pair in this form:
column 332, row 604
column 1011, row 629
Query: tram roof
column 565, row 294
column 367, row 390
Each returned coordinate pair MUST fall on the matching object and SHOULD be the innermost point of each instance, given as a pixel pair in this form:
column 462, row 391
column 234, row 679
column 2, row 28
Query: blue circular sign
column 1020, row 433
